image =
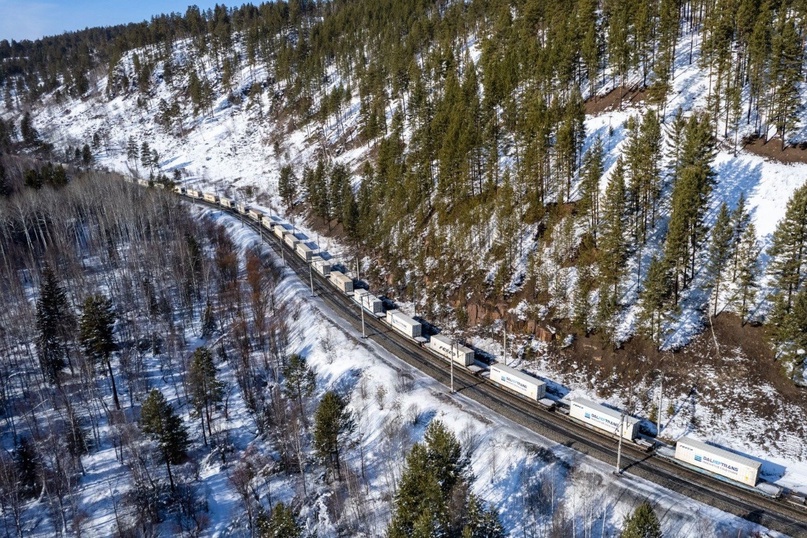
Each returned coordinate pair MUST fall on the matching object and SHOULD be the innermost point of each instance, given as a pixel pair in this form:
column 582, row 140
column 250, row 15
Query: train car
column 451, row 350
column 193, row 193
column 209, row 197
column 304, row 251
column 404, row 324
column 526, row 385
column 321, row 266
column 227, row 202
column 281, row 229
column 143, row 182
column 255, row 215
column 291, row 240
column 604, row 418
column 342, row 282
column 717, row 460
column 242, row 208
column 179, row 189
column 368, row 301
column 160, row 185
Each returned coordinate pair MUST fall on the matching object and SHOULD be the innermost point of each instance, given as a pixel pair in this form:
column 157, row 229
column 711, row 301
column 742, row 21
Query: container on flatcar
column 193, row 193
column 451, row 350
column 368, row 301
column 281, row 229
column 403, row 323
column 342, row 282
column 304, row 251
column 254, row 214
column 321, row 266
column 604, row 418
column 242, row 208
column 143, row 182
column 291, row 239
column 227, row 202
column 210, row 197
column 513, row 379
column 179, row 189
column 717, row 460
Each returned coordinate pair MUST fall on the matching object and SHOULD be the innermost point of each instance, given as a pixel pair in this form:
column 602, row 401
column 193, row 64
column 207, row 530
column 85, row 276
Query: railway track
column 756, row 508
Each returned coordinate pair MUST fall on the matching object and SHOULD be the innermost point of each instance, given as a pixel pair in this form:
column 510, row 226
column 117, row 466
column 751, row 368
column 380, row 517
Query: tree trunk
column 114, row 387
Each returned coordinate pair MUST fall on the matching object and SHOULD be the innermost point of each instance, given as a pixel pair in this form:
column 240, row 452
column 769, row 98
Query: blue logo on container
column 588, row 415
column 698, row 458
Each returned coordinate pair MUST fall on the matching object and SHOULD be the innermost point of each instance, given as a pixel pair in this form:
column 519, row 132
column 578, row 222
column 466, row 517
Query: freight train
column 689, row 452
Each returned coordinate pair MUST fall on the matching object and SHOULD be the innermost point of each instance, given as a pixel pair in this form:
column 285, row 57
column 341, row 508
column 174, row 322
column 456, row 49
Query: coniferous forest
column 560, row 171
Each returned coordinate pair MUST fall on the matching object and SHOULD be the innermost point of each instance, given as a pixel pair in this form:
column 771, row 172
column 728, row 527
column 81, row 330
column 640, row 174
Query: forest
column 487, row 154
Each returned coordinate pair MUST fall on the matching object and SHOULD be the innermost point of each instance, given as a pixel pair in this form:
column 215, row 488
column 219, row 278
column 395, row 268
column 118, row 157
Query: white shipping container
column 191, row 192
column 280, row 230
column 368, row 301
column 255, row 214
column 226, row 202
column 290, row 239
column 321, row 266
column 532, row 388
column 304, row 251
column 343, row 282
column 717, row 460
column 449, row 349
column 143, row 182
column 179, row 190
column 242, row 208
column 210, row 197
column 403, row 323
column 602, row 417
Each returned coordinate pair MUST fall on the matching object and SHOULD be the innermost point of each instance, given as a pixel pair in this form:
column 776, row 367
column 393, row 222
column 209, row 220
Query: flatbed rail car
column 193, row 193
column 243, row 209
column 227, row 202
column 255, row 215
column 323, row 267
column 210, row 197
column 369, row 302
column 304, row 251
column 451, row 349
column 404, row 324
column 341, row 281
column 604, row 418
column 517, row 381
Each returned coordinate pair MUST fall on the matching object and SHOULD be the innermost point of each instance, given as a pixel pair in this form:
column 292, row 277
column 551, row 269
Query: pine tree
column 287, row 186
column 433, row 498
column 643, row 523
column 332, row 421
column 299, row 381
column 786, row 70
column 86, row 155
column 654, row 299
column 720, row 252
column 788, row 250
column 158, row 419
column 96, row 335
column 740, row 219
column 132, row 152
column 747, row 272
column 27, row 463
column 145, row 155
column 590, row 187
column 612, row 246
column 55, row 323
column 204, row 390
column 281, row 524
